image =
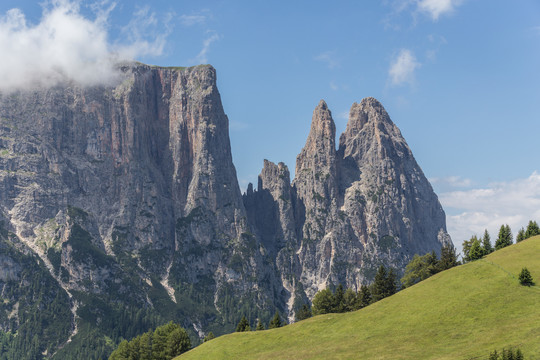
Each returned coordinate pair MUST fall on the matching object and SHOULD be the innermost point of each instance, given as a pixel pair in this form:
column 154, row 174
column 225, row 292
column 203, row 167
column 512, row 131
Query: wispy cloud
column 202, row 56
column 402, row 68
column 471, row 211
column 436, row 8
column 450, row 182
column 190, row 20
column 329, row 58
column 433, row 9
column 67, row 45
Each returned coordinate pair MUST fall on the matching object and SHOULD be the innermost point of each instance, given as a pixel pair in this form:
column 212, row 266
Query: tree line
column 243, row 325
column 475, row 248
column 164, row 343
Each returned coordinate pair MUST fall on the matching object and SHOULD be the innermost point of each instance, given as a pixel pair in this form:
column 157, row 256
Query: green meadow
column 462, row 313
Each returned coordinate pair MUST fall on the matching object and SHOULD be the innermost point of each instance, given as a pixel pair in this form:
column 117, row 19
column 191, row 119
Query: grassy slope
column 462, row 313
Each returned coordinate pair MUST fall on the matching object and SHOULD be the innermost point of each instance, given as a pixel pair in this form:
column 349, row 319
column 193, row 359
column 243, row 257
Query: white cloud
column 202, row 56
column 190, row 20
column 450, row 182
column 470, row 212
column 436, row 8
column 329, row 58
column 67, row 45
column 402, row 68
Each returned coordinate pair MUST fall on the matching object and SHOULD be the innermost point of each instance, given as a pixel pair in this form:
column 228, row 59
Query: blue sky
column 460, row 78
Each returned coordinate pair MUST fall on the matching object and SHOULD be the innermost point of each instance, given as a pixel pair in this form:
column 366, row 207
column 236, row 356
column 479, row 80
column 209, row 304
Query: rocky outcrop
column 364, row 205
column 128, row 193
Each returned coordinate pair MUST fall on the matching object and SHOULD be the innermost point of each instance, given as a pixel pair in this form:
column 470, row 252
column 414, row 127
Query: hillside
column 462, row 313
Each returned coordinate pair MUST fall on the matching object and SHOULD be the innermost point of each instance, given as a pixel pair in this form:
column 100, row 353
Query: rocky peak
column 320, row 145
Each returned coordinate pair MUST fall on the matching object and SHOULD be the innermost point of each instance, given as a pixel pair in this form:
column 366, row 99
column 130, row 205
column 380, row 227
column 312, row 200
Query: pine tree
column 448, row 258
column 243, row 325
column 364, row 297
column 275, row 322
column 520, row 235
column 339, row 306
column 494, row 355
column 525, row 277
column 466, row 246
column 476, row 252
column 384, row 284
column 349, row 300
column 486, row 243
column 177, row 343
column 210, row 336
column 505, row 237
column 260, row 325
column 518, row 355
column 532, row 229
column 303, row 313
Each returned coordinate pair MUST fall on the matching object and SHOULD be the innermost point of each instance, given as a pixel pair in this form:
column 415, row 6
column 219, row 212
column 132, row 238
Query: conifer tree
column 520, row 235
column 364, row 297
column 486, row 243
column 260, row 325
column 349, row 300
column 532, row 229
column 243, row 325
column 275, row 322
column 339, row 306
column 384, row 284
column 525, row 277
column 210, row 336
column 476, row 251
column 303, row 313
column 448, row 258
column 505, row 237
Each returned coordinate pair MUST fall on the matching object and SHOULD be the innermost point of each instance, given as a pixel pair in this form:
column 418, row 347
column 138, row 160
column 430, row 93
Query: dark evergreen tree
column 275, row 322
column 243, row 325
column 476, row 251
column 303, row 313
column 448, row 258
column 532, row 229
column 349, row 300
column 525, row 277
column 323, row 302
column 494, row 355
column 518, row 355
column 505, row 237
column 339, row 305
column 259, row 326
column 520, row 235
column 177, row 343
column 466, row 246
column 364, row 297
column 384, row 284
column 211, row 335
column 486, row 243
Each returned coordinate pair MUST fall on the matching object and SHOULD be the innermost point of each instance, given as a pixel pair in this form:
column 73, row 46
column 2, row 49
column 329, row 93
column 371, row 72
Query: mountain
column 348, row 211
column 466, row 312
column 125, row 199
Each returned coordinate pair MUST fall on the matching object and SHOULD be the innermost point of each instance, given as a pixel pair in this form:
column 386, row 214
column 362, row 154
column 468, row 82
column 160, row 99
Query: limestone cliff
column 127, row 198
column 364, row 205
column 129, row 195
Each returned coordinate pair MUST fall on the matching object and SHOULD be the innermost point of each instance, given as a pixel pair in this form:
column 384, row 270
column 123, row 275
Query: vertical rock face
column 128, row 198
column 365, row 205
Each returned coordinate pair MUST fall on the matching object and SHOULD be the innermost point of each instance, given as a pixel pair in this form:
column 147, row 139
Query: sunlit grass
column 463, row 313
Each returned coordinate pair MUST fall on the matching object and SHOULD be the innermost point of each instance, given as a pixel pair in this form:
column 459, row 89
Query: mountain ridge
column 131, row 189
